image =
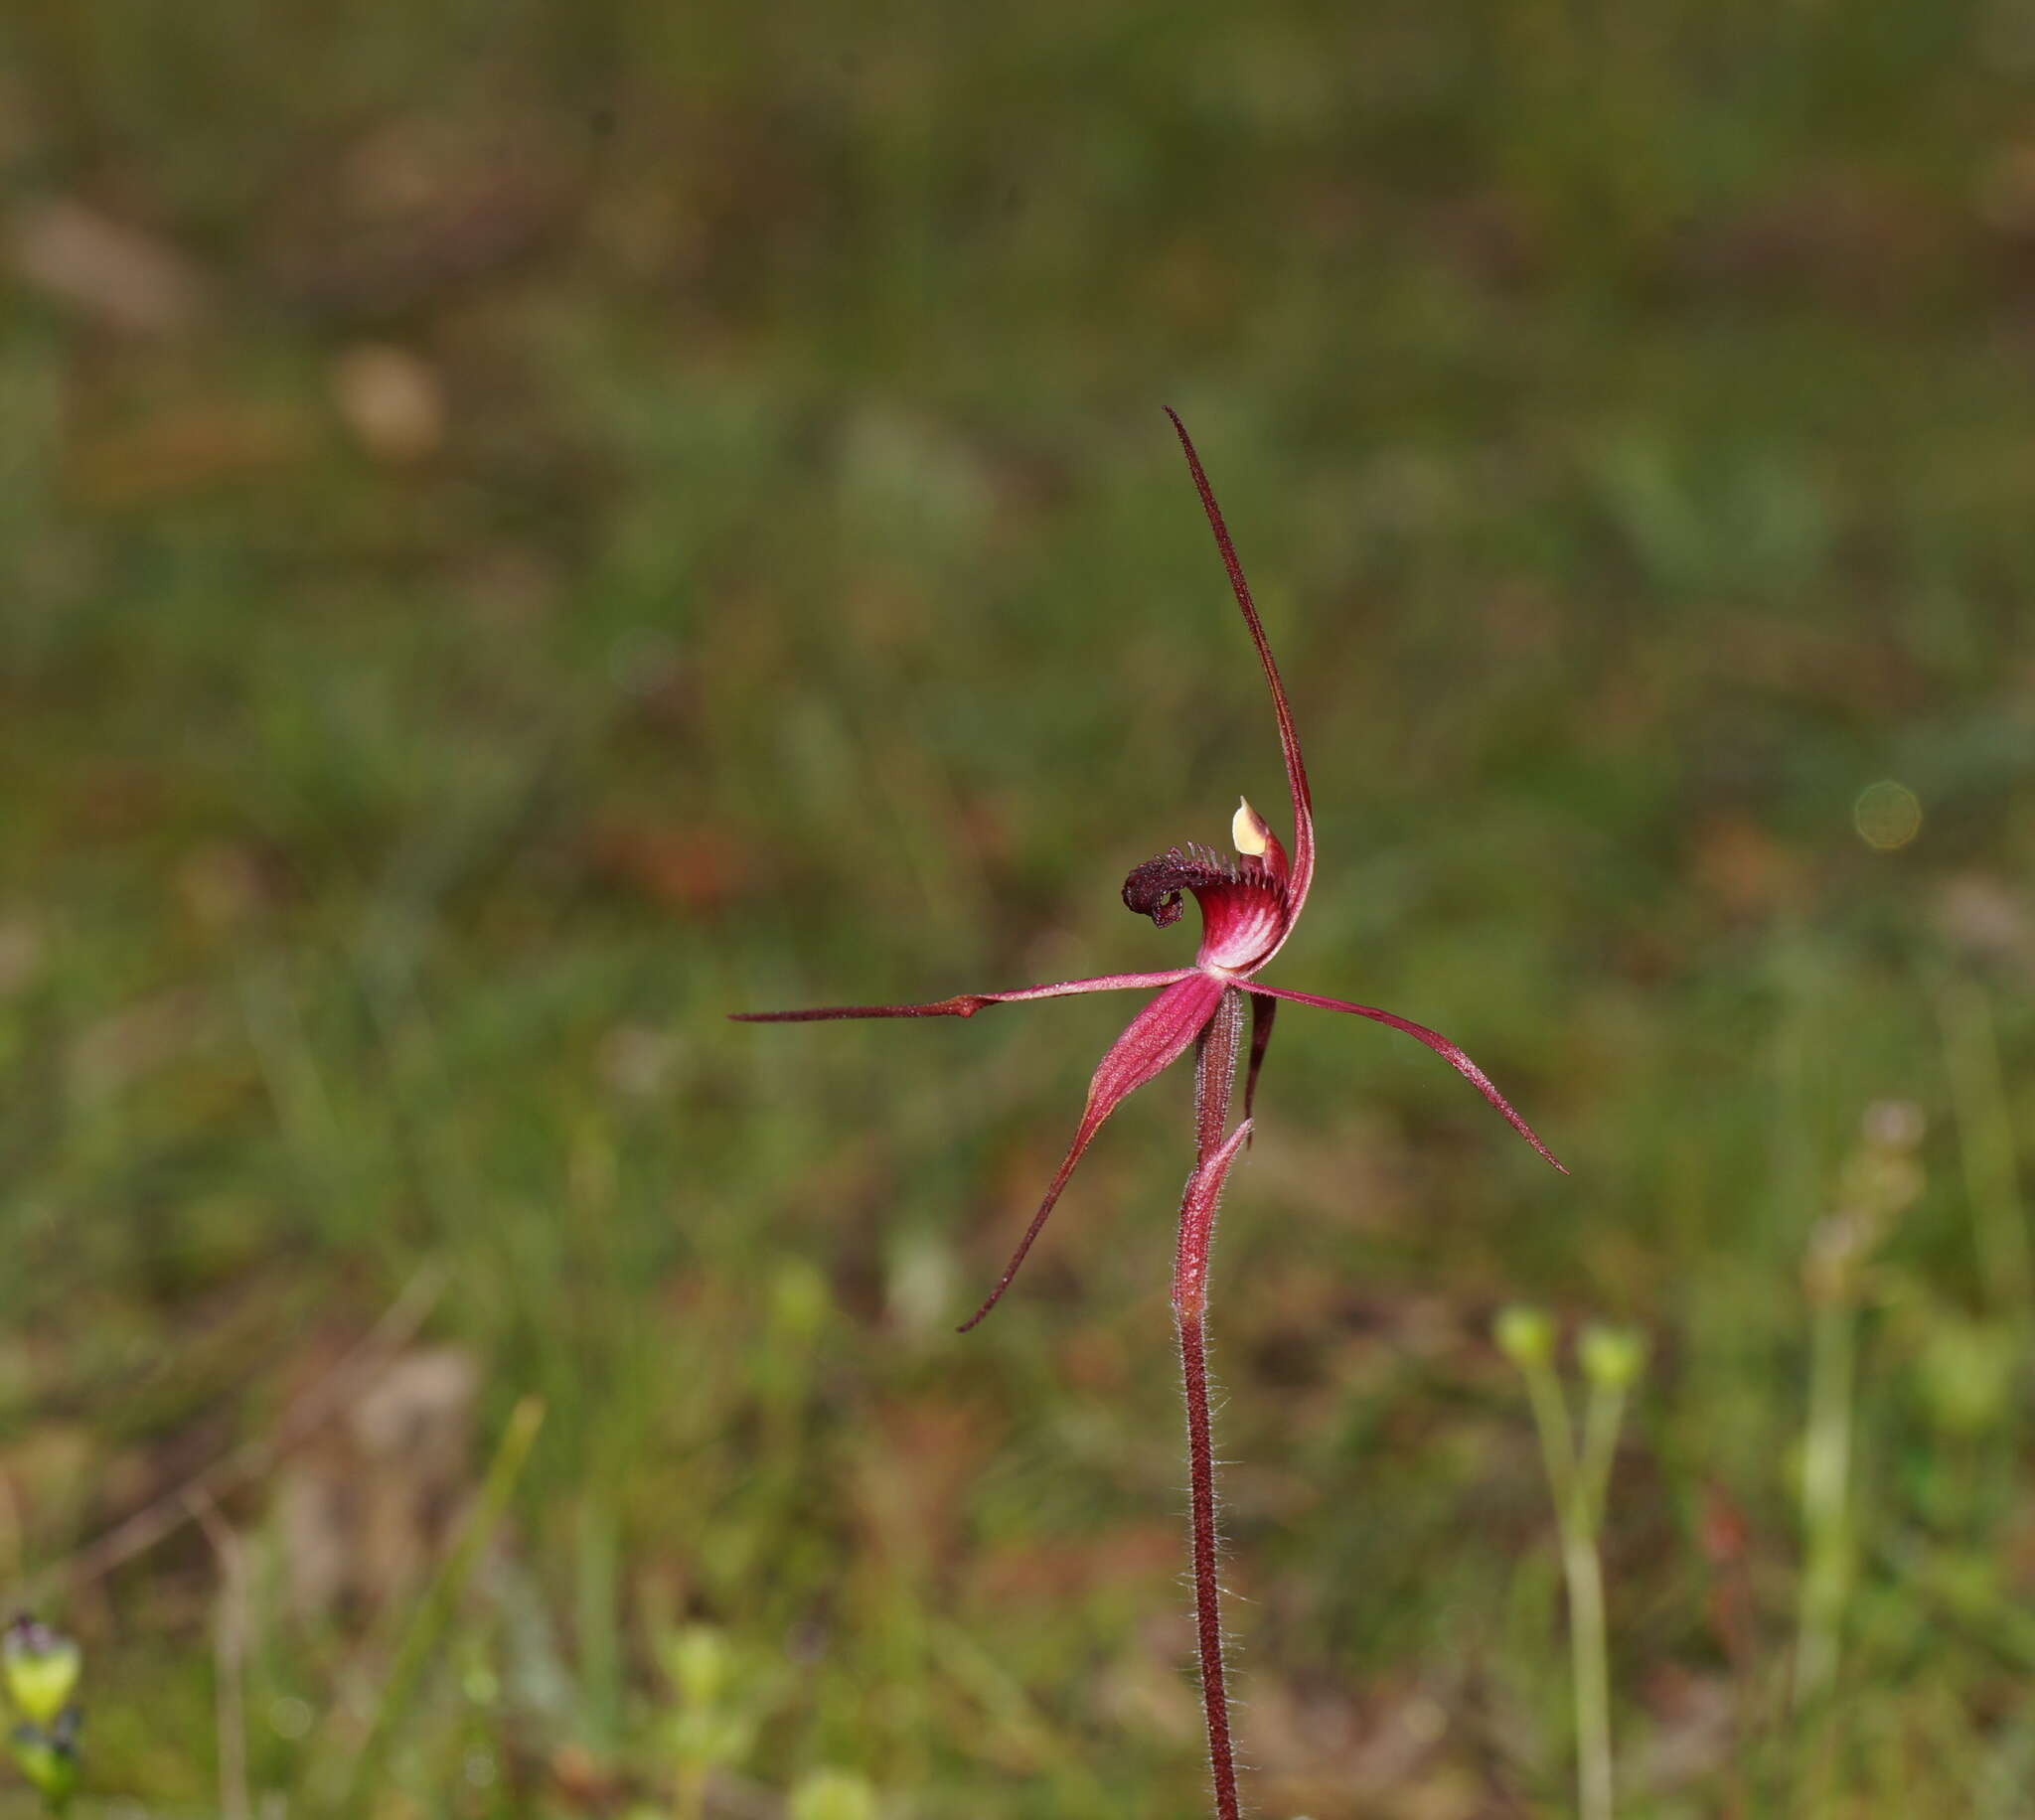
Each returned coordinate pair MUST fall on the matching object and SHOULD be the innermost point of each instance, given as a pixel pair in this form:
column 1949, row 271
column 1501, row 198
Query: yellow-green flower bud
column 832, row 1794
column 700, row 1663
column 47, row 1764
column 1524, row 1335
column 799, row 1301
column 1967, row 1370
column 40, row 1668
column 1611, row 1356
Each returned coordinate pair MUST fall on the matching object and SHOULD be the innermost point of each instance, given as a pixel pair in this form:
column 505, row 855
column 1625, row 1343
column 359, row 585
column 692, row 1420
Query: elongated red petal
column 1289, row 741
column 1262, row 1012
column 964, row 1004
column 1439, row 1043
column 1197, row 1225
column 1154, row 1040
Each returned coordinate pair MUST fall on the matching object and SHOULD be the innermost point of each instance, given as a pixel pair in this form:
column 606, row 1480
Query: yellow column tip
column 1247, row 831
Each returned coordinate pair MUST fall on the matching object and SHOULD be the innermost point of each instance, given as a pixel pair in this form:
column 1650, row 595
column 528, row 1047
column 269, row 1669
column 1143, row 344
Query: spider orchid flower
column 1249, row 904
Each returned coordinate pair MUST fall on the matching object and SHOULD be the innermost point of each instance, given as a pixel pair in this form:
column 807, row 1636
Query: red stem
column 1214, row 1075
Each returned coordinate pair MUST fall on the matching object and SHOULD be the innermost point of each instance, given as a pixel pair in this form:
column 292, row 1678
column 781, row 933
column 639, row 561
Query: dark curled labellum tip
column 1154, row 888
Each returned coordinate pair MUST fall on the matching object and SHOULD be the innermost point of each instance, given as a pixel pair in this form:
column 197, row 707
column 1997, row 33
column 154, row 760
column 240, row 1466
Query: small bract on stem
column 1249, row 904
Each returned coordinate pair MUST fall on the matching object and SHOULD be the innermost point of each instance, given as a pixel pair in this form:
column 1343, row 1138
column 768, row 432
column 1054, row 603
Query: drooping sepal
column 1435, row 1040
column 1160, row 1033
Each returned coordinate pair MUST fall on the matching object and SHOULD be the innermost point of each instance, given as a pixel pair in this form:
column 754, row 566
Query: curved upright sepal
column 1289, row 740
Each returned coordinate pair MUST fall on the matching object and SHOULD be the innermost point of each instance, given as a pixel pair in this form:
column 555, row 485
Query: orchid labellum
column 1249, row 904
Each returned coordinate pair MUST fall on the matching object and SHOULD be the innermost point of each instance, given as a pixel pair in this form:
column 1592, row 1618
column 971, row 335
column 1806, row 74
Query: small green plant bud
column 1524, row 1335
column 1967, row 1370
column 1611, row 1356
column 48, row 1764
column 832, row 1794
column 800, row 1301
column 40, row 1668
column 700, row 1663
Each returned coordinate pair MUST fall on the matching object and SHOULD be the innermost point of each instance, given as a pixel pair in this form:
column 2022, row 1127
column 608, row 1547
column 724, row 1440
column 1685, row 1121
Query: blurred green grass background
column 523, row 528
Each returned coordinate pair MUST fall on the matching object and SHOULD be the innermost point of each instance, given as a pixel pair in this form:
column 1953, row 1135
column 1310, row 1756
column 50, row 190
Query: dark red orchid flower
column 1249, row 905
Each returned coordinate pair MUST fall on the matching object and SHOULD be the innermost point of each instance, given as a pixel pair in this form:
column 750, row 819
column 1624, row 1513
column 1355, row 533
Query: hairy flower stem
column 1214, row 1076
column 1249, row 901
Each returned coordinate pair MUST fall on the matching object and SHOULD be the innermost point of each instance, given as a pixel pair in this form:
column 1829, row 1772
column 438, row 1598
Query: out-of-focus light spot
column 1425, row 1718
column 1894, row 1124
column 1887, row 814
column 390, row 399
column 290, row 1717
